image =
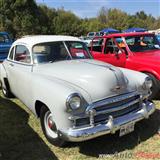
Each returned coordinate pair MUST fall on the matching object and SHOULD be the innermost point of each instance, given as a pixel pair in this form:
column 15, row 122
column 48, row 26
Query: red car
column 136, row 51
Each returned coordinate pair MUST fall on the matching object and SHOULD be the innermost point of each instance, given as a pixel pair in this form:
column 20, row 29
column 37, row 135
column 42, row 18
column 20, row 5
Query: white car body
column 99, row 85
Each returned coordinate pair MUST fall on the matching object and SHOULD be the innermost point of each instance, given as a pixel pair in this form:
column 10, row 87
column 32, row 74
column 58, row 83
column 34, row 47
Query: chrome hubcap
column 50, row 126
column 4, row 91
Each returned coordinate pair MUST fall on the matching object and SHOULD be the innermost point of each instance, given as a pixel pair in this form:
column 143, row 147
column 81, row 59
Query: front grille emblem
column 118, row 88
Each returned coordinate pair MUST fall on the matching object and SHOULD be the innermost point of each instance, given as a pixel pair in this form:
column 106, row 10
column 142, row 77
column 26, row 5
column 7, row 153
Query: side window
column 130, row 41
column 22, row 54
column 97, row 44
column 110, row 47
column 11, row 54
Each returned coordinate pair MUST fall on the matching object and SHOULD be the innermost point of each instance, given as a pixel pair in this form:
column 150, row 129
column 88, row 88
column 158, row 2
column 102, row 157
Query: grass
column 21, row 138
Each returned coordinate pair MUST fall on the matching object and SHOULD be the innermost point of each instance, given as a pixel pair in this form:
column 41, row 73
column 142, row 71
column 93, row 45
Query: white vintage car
column 77, row 98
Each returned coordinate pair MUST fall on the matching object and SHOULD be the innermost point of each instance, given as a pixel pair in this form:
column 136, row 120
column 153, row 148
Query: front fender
column 53, row 93
column 135, row 79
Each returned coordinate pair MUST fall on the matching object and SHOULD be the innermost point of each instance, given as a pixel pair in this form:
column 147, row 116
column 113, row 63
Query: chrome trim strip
column 20, row 63
column 118, row 108
column 111, row 100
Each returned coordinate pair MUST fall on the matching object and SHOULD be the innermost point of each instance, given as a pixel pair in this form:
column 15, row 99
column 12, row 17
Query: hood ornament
column 121, row 83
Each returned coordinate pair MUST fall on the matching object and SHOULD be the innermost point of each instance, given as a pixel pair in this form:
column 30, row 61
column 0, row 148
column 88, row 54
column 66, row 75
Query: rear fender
column 3, row 74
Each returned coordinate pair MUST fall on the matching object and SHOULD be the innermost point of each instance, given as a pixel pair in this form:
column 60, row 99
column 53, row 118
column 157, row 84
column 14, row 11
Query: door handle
column 11, row 64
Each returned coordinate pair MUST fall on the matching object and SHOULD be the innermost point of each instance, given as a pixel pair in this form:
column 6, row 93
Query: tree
column 103, row 15
column 47, row 16
column 67, row 23
column 23, row 17
column 117, row 19
column 141, row 15
column 22, row 14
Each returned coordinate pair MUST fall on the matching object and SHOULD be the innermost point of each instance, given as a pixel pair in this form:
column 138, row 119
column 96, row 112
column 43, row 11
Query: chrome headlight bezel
column 147, row 83
column 73, row 102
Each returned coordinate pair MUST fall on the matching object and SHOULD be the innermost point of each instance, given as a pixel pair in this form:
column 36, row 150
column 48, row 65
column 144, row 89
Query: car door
column 19, row 70
column 97, row 49
column 112, row 53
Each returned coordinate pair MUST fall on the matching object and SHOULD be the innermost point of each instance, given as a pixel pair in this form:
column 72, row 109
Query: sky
column 90, row 8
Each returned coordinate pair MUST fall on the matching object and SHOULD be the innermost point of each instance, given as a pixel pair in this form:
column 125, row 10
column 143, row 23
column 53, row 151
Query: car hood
column 100, row 80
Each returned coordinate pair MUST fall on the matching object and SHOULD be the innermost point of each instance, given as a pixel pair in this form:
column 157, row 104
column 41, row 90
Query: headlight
column 147, row 83
column 73, row 102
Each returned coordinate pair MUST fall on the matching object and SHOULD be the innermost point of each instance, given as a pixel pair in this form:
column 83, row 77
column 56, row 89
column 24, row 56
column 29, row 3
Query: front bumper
column 83, row 134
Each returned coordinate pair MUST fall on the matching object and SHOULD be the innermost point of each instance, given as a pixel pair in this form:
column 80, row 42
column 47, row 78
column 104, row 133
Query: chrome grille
column 115, row 106
column 104, row 117
column 82, row 121
column 118, row 106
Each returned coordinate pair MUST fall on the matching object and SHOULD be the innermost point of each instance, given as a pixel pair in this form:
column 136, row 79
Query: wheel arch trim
column 150, row 71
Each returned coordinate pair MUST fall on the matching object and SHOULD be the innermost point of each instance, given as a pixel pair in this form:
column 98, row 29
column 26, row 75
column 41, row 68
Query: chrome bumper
column 82, row 134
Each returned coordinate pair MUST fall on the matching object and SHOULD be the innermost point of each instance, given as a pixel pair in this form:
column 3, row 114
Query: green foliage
column 103, row 15
column 23, row 17
column 92, row 24
column 67, row 23
column 117, row 19
column 20, row 17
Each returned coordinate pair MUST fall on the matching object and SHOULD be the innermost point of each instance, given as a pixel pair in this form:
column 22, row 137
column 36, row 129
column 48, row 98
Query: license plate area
column 126, row 129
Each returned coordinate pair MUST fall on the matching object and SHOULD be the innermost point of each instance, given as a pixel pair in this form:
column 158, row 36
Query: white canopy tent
column 157, row 31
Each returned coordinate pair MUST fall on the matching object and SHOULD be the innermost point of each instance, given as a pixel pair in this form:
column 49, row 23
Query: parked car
column 77, row 98
column 88, row 41
column 136, row 51
column 93, row 34
column 5, row 44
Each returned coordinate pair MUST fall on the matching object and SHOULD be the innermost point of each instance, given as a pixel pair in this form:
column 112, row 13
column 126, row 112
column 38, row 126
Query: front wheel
column 6, row 92
column 49, row 127
column 154, row 88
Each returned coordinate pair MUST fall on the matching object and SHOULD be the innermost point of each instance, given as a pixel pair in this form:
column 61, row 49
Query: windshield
column 59, row 51
column 91, row 34
column 97, row 34
column 142, row 43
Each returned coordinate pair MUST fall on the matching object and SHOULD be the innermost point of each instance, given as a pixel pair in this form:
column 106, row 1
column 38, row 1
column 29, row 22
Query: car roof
column 3, row 33
column 33, row 40
column 127, row 34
